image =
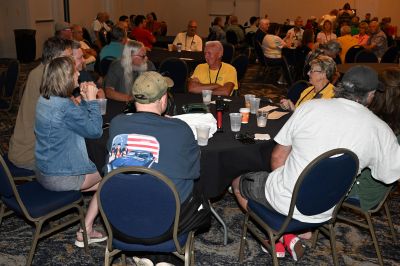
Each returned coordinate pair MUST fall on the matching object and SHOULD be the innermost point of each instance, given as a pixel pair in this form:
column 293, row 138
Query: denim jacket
column 61, row 128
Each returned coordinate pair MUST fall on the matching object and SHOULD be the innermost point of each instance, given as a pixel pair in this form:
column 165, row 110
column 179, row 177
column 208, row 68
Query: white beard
column 140, row 68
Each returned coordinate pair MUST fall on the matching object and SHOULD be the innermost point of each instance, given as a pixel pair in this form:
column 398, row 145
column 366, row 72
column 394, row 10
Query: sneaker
column 93, row 237
column 164, row 264
column 280, row 249
column 142, row 261
column 294, row 246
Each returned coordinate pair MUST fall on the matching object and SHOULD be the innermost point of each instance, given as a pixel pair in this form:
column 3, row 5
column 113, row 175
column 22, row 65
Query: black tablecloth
column 192, row 59
column 378, row 67
column 224, row 158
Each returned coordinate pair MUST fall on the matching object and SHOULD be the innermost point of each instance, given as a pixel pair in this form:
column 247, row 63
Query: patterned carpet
column 354, row 245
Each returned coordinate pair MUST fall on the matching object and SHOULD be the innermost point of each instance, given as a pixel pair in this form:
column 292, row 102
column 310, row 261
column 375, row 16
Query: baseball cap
column 62, row 26
column 362, row 78
column 150, row 86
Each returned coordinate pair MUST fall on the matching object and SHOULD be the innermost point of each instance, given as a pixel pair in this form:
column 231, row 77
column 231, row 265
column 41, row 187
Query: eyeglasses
column 314, row 70
column 142, row 56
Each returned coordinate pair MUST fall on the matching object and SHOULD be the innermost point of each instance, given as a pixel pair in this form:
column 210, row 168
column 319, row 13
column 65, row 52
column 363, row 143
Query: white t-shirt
column 321, row 125
column 189, row 43
column 272, row 46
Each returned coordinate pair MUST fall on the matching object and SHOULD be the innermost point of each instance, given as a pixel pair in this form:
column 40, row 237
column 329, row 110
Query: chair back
column 287, row 73
column 241, row 63
column 365, row 56
column 231, row 37
column 105, row 64
column 324, row 183
column 229, row 52
column 296, row 89
column 259, row 53
column 250, row 39
column 391, row 55
column 351, row 53
column 10, row 78
column 178, row 71
column 139, row 205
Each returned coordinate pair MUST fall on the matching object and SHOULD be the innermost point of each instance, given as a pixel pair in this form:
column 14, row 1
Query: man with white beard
column 123, row 72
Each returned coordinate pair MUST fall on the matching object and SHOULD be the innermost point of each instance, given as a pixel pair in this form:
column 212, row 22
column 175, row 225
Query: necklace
column 209, row 73
column 190, row 47
column 319, row 92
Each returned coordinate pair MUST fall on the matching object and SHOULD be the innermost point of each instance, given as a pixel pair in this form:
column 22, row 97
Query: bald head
column 264, row 24
column 192, row 28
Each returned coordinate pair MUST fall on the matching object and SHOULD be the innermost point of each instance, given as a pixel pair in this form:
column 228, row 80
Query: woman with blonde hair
column 61, row 127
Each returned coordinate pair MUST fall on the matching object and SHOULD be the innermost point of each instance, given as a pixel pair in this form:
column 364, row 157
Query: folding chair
column 140, row 208
column 16, row 172
column 178, row 71
column 229, row 52
column 321, row 186
column 391, row 55
column 365, row 56
column 296, row 89
column 38, row 205
column 354, row 205
column 240, row 63
column 351, row 53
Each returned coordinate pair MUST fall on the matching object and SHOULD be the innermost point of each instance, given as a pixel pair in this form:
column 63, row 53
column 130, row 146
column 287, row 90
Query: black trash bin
column 25, row 43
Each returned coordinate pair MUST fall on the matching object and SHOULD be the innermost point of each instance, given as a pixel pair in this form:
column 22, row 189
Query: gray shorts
column 252, row 186
column 61, row 183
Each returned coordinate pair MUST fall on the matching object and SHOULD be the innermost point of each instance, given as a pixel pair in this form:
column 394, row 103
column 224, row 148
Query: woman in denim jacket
column 61, row 127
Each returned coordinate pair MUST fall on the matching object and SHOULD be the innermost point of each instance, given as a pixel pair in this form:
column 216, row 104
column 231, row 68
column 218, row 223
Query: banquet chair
column 229, row 53
column 296, row 89
column 321, row 186
column 8, row 88
column 240, row 63
column 353, row 204
column 141, row 208
column 17, row 173
column 178, row 71
column 266, row 69
column 391, row 55
column 351, row 53
column 231, row 37
column 38, row 205
column 365, row 56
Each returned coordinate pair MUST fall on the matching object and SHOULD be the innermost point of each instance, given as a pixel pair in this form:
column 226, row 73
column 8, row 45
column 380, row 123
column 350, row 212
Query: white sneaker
column 142, row 261
column 164, row 264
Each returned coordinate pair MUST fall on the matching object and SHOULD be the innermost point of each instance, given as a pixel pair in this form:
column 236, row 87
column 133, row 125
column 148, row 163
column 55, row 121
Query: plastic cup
column 236, row 120
column 170, row 47
column 262, row 118
column 245, row 115
column 247, row 100
column 202, row 134
column 254, row 105
column 206, row 96
column 179, row 47
column 103, row 105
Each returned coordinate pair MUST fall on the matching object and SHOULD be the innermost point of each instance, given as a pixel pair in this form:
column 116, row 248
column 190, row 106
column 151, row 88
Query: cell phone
column 76, row 92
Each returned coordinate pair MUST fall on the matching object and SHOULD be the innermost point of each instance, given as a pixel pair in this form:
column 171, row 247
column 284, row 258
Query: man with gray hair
column 22, row 143
column 123, row 72
column 346, row 41
column 377, row 41
column 262, row 30
column 214, row 75
column 318, row 126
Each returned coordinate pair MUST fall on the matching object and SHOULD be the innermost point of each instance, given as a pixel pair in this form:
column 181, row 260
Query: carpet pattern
column 354, row 245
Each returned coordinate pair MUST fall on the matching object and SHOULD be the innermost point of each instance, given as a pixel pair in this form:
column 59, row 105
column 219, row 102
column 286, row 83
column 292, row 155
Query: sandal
column 279, row 249
column 294, row 246
column 142, row 261
column 93, row 237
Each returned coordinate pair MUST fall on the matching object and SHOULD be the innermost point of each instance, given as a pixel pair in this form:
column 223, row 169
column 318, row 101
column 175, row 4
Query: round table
column 224, row 158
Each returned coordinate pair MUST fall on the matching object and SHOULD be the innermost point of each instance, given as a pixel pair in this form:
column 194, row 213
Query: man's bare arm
column 117, row 96
column 196, row 87
column 279, row 155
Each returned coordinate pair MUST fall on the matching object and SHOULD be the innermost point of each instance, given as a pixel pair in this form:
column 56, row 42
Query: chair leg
column 273, row 250
column 219, row 219
column 332, row 238
column 314, row 238
column 107, row 258
column 34, row 242
column 2, row 211
column 243, row 238
column 374, row 239
column 83, row 226
column 389, row 217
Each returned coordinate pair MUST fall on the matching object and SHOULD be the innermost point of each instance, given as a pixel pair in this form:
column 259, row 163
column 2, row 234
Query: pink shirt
column 362, row 40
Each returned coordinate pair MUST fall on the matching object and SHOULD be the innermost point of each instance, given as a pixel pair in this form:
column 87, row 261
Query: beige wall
column 23, row 13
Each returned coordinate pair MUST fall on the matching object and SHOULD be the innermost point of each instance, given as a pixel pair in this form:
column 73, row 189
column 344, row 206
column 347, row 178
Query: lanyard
column 314, row 95
column 209, row 73
column 190, row 47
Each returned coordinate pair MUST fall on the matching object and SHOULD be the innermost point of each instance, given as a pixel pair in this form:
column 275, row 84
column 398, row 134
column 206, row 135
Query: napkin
column 276, row 114
column 262, row 136
column 268, row 108
column 197, row 119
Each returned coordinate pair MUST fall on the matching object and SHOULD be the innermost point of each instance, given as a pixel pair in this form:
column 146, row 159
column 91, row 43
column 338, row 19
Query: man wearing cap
column 63, row 30
column 214, row 75
column 318, row 126
column 166, row 144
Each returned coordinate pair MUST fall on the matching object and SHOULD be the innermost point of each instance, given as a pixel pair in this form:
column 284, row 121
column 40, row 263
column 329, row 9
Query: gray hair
column 130, row 48
column 327, row 65
column 344, row 30
column 215, row 44
column 54, row 47
column 331, row 47
column 76, row 45
column 350, row 91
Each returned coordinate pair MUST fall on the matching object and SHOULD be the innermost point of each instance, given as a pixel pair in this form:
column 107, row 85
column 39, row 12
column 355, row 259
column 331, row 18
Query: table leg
column 219, row 219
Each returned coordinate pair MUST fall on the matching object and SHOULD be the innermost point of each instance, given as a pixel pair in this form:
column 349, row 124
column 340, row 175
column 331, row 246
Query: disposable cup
column 236, row 120
column 202, row 134
column 207, row 96
column 245, row 115
column 179, row 47
column 103, row 105
column 254, row 105
column 247, row 98
column 262, row 118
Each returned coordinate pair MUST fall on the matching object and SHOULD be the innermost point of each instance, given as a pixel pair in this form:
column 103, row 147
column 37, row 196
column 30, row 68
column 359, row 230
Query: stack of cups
column 247, row 98
column 254, row 105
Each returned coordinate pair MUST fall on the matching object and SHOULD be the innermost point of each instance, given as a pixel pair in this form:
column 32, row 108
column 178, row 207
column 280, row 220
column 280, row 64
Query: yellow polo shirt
column 227, row 73
column 309, row 94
